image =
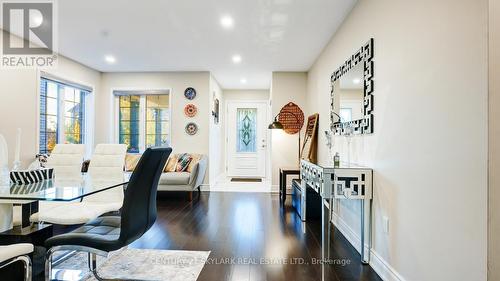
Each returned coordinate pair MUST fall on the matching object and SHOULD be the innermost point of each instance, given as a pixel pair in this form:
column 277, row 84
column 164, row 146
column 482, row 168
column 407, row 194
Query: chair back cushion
column 66, row 159
column 106, row 164
column 108, row 160
column 139, row 204
column 78, row 149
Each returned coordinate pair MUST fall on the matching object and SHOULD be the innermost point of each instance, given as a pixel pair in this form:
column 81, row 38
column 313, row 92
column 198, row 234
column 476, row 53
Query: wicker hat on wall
column 292, row 118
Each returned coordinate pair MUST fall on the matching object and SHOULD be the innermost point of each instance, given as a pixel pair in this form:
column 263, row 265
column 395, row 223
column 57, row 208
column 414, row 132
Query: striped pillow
column 183, row 162
column 27, row 177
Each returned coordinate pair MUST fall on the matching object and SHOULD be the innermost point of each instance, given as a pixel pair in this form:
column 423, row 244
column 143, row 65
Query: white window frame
column 89, row 110
column 117, row 92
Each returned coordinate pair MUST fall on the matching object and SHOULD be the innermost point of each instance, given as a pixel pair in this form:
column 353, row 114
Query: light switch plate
column 386, row 224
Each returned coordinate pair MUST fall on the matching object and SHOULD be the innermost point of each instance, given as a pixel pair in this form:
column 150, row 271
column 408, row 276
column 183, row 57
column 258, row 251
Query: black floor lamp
column 277, row 125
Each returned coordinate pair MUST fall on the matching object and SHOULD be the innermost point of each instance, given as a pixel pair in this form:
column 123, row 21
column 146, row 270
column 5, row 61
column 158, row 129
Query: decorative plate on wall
column 190, row 93
column 190, row 110
column 191, row 129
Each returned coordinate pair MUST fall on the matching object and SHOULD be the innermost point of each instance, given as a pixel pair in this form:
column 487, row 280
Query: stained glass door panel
column 246, row 119
column 246, row 138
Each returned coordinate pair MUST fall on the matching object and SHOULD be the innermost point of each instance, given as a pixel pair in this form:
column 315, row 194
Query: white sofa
column 187, row 181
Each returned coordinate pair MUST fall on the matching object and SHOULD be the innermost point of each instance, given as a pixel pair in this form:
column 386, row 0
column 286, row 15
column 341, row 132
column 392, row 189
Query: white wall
column 216, row 138
column 20, row 89
column 286, row 87
column 429, row 147
column 494, row 143
column 246, row 94
column 177, row 82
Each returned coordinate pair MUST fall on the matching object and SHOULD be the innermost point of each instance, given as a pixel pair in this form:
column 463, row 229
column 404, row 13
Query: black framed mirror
column 351, row 99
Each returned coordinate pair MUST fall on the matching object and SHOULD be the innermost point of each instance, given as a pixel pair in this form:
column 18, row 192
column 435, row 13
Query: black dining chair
column 110, row 233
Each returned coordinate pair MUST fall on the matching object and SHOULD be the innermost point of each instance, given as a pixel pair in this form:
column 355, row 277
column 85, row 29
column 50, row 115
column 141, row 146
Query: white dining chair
column 106, row 165
column 66, row 160
column 17, row 252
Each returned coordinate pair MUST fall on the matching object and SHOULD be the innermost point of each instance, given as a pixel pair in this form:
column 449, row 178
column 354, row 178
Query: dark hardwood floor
column 253, row 229
column 251, row 238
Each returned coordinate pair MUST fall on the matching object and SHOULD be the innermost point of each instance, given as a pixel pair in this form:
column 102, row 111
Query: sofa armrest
column 198, row 173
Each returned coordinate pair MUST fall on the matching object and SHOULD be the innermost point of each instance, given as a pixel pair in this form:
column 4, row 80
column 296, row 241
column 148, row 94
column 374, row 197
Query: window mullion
column 142, row 123
column 60, row 115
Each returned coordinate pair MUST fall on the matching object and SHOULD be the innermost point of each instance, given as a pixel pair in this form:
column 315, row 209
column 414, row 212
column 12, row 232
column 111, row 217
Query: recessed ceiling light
column 236, row 58
column 227, row 22
column 243, row 80
column 110, row 59
column 356, row 80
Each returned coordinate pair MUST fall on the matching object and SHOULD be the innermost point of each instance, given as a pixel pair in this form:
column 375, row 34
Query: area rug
column 138, row 264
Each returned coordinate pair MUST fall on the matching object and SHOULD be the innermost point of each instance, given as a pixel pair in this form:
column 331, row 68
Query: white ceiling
column 185, row 35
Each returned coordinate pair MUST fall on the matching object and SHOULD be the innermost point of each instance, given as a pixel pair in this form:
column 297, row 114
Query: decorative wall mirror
column 351, row 108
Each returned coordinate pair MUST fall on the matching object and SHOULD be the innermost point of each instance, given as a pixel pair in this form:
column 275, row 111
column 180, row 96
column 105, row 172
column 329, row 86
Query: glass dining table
column 59, row 189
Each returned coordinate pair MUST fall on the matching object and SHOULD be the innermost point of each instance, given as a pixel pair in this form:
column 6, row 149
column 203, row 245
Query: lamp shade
column 275, row 125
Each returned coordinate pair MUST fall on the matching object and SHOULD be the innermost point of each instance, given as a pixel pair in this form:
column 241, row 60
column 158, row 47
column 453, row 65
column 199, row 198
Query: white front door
column 246, row 147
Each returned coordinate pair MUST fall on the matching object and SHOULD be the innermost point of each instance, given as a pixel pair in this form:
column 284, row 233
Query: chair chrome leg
column 93, row 265
column 92, row 262
column 64, row 257
column 48, row 265
column 27, row 267
column 26, row 263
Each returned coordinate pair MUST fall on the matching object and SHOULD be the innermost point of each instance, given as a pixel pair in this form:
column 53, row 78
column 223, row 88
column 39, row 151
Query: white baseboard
column 382, row 267
column 275, row 188
column 217, row 179
column 205, row 187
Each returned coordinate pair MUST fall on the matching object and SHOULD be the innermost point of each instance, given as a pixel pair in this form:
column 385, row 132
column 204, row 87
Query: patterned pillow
column 171, row 163
column 195, row 159
column 131, row 161
column 183, row 162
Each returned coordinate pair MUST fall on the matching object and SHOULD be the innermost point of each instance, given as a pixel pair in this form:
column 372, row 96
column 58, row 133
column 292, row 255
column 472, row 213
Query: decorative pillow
column 131, row 161
column 171, row 163
column 195, row 158
column 183, row 162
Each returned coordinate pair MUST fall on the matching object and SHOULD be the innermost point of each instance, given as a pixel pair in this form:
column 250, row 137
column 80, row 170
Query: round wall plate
column 190, row 110
column 190, row 93
column 191, row 128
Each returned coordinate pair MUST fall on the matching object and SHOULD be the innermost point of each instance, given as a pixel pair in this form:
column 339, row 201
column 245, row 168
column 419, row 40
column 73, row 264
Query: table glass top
column 62, row 188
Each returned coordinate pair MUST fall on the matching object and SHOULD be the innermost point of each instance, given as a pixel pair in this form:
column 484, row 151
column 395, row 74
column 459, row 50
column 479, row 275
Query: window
column 62, row 114
column 129, row 122
column 143, row 120
column 156, row 120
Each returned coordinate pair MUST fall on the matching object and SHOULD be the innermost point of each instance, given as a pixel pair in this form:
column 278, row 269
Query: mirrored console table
column 346, row 182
